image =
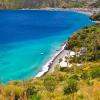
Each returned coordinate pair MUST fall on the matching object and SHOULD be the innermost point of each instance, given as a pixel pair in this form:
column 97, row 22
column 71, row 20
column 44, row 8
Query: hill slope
column 16, row 4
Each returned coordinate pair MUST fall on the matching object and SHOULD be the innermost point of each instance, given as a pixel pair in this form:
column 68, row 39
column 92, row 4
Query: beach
column 87, row 11
column 51, row 64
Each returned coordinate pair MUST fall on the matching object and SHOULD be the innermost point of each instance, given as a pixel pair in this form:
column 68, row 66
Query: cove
column 29, row 38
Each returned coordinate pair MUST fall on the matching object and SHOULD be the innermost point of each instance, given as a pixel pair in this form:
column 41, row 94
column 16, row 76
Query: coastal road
column 56, row 60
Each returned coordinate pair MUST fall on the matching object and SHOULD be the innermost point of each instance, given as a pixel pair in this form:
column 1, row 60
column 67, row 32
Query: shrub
column 95, row 73
column 32, row 93
column 84, row 76
column 50, row 82
column 76, row 77
column 89, row 82
column 34, row 97
column 31, row 90
column 71, row 86
column 17, row 90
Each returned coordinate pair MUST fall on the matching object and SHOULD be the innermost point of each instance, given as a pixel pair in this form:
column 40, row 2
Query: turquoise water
column 24, row 35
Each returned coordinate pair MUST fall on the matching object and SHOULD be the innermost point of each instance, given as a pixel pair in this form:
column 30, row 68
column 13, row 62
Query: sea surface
column 28, row 39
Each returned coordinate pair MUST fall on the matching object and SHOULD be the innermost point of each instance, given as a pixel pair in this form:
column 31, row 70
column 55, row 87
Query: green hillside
column 95, row 17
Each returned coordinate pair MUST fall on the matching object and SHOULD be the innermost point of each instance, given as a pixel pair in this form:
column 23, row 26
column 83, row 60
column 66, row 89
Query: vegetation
column 17, row 4
column 81, row 83
column 95, row 4
column 87, row 41
column 95, row 17
column 71, row 86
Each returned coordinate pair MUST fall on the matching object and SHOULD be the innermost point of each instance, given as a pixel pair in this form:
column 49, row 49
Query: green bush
column 89, row 82
column 50, row 82
column 31, row 90
column 76, row 77
column 95, row 73
column 32, row 93
column 34, row 97
column 84, row 76
column 71, row 86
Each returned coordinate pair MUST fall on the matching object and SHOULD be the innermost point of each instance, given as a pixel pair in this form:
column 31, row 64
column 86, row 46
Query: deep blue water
column 24, row 35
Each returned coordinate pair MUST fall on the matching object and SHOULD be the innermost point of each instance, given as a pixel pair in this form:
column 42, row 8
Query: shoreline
column 50, row 65
column 87, row 11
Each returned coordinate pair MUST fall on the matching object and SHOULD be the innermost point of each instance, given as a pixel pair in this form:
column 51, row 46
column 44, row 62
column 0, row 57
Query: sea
column 30, row 38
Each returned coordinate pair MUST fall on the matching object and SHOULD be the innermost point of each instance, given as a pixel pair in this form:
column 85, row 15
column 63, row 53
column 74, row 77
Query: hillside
column 75, row 83
column 95, row 17
column 17, row 4
column 95, row 4
column 87, row 41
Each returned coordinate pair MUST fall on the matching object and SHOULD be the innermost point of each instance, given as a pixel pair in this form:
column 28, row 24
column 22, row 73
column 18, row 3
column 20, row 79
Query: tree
column 31, row 91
